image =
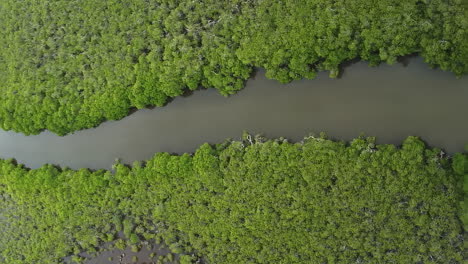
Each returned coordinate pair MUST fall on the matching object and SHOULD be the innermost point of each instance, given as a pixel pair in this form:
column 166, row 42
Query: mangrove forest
column 70, row 65
column 248, row 201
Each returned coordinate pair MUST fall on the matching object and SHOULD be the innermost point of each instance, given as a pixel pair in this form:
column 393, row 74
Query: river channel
column 389, row 102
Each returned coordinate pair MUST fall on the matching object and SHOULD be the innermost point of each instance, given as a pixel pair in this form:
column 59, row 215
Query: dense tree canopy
column 251, row 201
column 69, row 65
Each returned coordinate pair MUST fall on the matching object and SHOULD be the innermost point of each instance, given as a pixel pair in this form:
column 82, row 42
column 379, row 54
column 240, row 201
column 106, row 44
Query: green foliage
column 120, row 244
column 77, row 259
column 170, row 257
column 135, row 248
column 464, row 203
column 268, row 201
column 185, row 259
column 460, row 163
column 110, row 237
column 127, row 227
column 134, row 239
column 175, row 248
column 460, row 166
column 69, row 65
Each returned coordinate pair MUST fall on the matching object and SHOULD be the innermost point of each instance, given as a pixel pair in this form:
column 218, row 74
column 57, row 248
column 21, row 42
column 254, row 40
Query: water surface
column 389, row 102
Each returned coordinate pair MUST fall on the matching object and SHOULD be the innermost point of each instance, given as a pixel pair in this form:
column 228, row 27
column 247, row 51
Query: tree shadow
column 406, row 60
column 403, row 60
column 346, row 64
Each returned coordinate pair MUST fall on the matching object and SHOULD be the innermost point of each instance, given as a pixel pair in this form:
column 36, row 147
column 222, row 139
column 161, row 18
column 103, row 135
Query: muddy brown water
column 389, row 102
